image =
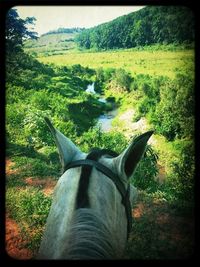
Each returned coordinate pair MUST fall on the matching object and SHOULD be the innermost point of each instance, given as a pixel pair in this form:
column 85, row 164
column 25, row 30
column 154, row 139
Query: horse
column 90, row 216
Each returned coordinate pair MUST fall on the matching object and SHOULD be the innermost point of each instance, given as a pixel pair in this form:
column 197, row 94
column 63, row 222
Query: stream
column 104, row 120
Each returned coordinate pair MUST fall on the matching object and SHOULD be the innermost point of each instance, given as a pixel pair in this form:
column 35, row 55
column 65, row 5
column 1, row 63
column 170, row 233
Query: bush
column 174, row 114
column 122, row 79
column 15, row 113
column 180, row 182
column 95, row 138
column 35, row 129
column 145, row 175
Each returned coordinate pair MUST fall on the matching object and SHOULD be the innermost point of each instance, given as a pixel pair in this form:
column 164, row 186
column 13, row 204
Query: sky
column 53, row 17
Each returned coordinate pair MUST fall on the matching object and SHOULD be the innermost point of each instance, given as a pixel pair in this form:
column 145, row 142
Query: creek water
column 105, row 120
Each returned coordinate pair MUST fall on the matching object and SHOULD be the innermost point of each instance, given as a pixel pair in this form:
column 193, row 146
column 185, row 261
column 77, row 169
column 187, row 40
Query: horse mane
column 89, row 237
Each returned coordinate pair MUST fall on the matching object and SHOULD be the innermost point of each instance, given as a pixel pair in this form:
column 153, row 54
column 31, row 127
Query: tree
column 17, row 32
column 174, row 114
column 152, row 24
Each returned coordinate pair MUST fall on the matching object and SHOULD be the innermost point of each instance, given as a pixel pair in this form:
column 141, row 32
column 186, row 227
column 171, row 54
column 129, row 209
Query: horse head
column 90, row 216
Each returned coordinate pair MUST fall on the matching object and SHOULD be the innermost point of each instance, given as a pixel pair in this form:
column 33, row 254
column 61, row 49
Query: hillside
column 150, row 25
column 53, row 42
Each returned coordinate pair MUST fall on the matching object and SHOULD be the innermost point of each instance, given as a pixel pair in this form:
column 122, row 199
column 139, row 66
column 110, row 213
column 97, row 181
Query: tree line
column 150, row 25
column 64, row 30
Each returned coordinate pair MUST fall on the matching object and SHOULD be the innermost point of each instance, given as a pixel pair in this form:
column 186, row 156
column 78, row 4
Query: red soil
column 15, row 243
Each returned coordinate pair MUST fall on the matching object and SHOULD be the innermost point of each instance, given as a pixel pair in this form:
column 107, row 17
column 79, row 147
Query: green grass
column 51, row 44
column 26, row 202
column 159, row 62
column 30, row 208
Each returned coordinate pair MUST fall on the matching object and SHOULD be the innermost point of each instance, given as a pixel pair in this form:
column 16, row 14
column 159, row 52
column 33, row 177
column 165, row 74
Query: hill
column 53, row 42
column 150, row 25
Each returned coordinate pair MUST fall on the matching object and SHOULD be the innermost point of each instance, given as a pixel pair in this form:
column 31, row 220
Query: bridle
column 125, row 193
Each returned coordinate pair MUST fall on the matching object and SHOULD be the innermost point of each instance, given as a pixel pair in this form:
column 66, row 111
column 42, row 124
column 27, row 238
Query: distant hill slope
column 150, row 25
column 53, row 42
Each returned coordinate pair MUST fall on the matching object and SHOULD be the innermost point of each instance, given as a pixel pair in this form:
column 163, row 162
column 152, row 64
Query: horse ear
column 127, row 161
column 68, row 151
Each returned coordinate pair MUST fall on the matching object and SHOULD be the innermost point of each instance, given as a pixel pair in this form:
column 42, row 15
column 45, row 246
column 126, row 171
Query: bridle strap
column 125, row 194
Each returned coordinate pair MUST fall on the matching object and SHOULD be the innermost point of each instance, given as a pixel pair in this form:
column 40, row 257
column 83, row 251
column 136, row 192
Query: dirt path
column 128, row 127
column 16, row 243
column 160, row 232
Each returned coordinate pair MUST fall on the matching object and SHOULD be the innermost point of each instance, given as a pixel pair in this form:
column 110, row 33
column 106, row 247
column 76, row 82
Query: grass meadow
column 152, row 62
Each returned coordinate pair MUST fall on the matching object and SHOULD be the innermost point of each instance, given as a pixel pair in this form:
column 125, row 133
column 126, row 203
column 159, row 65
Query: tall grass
column 159, row 62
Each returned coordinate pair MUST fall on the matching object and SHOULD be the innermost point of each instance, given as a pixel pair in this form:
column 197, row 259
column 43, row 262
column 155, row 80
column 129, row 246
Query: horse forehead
column 108, row 162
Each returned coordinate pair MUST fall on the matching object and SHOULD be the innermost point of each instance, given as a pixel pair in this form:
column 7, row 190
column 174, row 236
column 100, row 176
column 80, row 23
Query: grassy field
column 51, row 43
column 159, row 62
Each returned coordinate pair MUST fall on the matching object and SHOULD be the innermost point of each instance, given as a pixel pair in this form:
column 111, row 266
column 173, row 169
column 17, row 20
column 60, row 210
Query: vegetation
column 64, row 30
column 150, row 25
column 53, row 42
column 156, row 85
column 162, row 60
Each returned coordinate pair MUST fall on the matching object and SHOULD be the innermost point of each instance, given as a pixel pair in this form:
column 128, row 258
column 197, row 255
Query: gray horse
column 90, row 216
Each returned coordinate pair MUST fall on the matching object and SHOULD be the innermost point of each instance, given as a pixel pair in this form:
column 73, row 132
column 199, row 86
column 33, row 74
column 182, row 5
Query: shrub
column 174, row 115
column 146, row 172
column 35, row 130
column 95, row 138
column 122, row 79
column 180, row 182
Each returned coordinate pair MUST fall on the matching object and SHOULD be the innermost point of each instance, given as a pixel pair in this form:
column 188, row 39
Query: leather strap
column 125, row 194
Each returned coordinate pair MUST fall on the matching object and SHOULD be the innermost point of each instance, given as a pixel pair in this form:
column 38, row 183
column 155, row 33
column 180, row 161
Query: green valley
column 149, row 82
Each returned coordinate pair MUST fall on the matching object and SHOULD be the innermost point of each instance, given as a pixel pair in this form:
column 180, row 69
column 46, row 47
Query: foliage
column 65, row 30
column 29, row 205
column 122, row 79
column 58, row 93
column 145, row 175
column 16, row 31
column 180, row 182
column 95, row 138
column 30, row 208
column 174, row 115
column 150, row 25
